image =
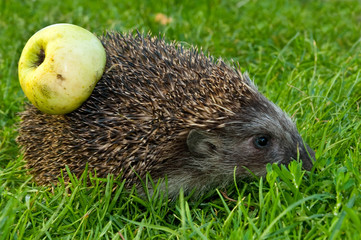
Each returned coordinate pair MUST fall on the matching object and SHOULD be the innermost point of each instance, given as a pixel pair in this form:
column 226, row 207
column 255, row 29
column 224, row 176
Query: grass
column 304, row 55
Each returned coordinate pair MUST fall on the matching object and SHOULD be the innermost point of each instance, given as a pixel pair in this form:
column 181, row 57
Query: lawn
column 304, row 55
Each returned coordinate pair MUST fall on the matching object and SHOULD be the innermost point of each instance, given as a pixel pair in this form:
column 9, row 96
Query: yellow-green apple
column 60, row 66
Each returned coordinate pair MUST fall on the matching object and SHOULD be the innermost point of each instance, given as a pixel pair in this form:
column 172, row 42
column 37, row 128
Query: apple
column 60, row 66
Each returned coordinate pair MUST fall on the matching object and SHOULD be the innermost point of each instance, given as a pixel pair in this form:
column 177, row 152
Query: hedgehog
column 166, row 111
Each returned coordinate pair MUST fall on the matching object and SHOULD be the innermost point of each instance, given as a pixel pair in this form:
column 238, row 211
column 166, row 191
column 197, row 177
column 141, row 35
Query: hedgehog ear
column 202, row 143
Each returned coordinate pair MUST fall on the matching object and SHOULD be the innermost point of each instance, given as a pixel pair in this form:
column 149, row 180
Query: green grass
column 304, row 55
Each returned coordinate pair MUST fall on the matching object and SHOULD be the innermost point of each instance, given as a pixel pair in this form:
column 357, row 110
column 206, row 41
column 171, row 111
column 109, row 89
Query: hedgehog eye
column 261, row 142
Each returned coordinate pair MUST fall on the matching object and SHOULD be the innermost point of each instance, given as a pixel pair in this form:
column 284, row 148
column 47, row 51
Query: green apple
column 60, row 66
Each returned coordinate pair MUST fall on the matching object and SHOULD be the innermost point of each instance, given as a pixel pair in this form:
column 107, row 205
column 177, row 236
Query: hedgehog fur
column 168, row 111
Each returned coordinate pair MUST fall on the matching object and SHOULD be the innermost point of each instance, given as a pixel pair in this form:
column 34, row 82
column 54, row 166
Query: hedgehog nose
column 307, row 155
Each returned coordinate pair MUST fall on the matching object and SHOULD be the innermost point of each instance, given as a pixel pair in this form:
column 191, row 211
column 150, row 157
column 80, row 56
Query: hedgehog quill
column 168, row 111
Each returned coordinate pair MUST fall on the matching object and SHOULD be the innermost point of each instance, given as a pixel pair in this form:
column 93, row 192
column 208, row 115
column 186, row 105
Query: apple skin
column 60, row 66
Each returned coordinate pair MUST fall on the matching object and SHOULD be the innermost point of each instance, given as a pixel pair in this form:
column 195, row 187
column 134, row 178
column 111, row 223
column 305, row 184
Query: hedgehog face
column 262, row 133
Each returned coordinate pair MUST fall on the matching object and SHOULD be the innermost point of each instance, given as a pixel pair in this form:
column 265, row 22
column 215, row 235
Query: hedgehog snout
column 307, row 155
column 299, row 150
